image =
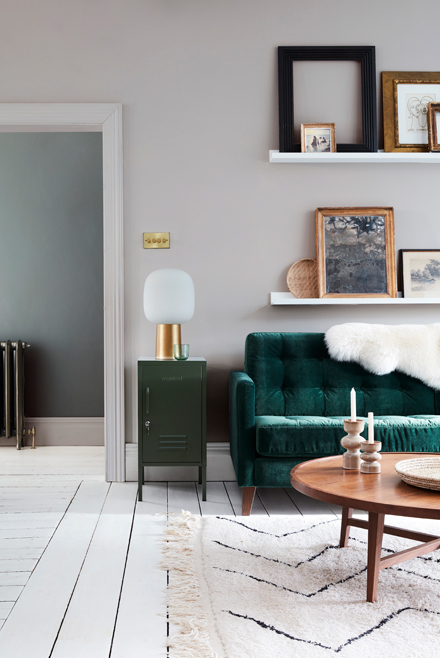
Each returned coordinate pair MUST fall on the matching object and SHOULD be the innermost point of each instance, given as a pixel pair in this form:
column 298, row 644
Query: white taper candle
column 353, row 405
column 370, row 427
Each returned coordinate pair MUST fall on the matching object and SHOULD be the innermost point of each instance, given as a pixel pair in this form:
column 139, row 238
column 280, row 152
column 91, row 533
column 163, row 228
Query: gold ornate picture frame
column 434, row 126
column 406, row 95
column 318, row 138
column 355, row 252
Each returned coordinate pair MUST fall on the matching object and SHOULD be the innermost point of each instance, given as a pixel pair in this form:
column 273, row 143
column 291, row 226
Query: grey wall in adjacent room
column 51, row 282
column 198, row 84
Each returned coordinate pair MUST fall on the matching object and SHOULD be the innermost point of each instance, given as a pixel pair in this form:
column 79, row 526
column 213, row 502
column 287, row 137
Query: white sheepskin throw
column 410, row 348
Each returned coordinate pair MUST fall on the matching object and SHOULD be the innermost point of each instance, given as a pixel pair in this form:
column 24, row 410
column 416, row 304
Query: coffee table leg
column 347, row 513
column 375, row 535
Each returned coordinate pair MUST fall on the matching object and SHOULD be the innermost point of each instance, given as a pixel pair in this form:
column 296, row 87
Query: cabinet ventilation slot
column 173, row 442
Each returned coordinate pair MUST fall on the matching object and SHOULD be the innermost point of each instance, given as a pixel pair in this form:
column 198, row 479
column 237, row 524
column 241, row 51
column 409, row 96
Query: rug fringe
column 183, row 594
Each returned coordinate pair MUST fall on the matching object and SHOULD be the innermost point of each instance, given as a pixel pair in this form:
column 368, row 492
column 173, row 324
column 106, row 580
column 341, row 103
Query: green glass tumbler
column 181, row 352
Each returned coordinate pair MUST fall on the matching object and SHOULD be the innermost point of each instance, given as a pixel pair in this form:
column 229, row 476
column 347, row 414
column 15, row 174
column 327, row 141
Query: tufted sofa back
column 295, row 376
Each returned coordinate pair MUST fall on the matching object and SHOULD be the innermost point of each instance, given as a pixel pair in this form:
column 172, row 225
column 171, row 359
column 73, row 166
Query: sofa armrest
column 242, row 426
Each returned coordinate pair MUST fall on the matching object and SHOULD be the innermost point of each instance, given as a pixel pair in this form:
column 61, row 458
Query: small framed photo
column 318, row 138
column 434, row 126
column 406, row 97
column 355, row 252
column 420, row 272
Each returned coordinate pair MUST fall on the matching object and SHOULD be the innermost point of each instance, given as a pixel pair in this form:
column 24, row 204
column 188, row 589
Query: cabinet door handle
column 147, row 400
column 147, row 425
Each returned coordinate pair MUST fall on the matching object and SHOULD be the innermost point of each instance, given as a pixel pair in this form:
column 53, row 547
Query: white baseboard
column 64, row 432
column 219, row 466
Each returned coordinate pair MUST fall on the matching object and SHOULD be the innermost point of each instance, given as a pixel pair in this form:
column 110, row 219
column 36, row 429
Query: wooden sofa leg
column 248, row 499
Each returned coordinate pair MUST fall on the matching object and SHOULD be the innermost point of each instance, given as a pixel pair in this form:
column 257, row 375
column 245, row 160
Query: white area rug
column 269, row 587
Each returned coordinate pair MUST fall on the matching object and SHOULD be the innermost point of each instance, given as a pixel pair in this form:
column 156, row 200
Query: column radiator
column 12, row 392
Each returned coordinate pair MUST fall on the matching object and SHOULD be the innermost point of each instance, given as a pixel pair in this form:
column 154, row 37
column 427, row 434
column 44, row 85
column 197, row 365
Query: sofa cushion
column 295, row 376
column 314, row 436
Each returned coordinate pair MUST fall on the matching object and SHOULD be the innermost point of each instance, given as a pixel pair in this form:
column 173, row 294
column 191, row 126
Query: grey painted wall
column 198, row 82
column 51, row 283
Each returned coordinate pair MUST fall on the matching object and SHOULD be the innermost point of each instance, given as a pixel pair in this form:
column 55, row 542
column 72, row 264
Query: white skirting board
column 219, row 466
column 63, row 432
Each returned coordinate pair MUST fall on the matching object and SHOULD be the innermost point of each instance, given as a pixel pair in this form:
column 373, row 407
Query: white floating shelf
column 287, row 299
column 379, row 157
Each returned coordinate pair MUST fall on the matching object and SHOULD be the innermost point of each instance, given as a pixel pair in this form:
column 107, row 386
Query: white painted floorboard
column 236, row 495
column 5, row 609
column 45, row 598
column 183, row 496
column 276, row 501
column 217, row 500
column 13, row 578
column 87, row 628
column 15, row 565
column 141, row 627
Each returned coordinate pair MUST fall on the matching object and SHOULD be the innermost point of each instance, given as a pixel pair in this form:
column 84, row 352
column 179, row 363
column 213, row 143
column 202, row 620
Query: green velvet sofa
column 290, row 402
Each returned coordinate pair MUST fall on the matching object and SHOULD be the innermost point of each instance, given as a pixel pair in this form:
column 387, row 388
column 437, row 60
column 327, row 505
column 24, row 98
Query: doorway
column 105, row 118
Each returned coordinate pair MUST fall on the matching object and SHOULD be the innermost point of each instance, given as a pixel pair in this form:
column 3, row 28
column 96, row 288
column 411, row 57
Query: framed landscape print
column 406, row 96
column 434, row 126
column 318, row 138
column 420, row 272
column 355, row 252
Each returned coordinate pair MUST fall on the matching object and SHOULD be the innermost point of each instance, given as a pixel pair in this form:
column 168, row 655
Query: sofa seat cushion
column 313, row 436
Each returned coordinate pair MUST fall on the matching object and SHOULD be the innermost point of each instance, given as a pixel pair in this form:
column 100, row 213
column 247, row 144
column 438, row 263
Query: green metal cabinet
column 172, row 415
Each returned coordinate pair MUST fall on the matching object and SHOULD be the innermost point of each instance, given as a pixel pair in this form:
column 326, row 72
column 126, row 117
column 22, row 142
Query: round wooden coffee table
column 377, row 494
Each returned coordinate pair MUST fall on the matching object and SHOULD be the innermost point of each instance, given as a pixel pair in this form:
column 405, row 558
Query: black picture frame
column 366, row 55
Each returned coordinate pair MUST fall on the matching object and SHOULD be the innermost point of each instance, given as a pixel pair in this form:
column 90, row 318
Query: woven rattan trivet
column 302, row 279
column 422, row 472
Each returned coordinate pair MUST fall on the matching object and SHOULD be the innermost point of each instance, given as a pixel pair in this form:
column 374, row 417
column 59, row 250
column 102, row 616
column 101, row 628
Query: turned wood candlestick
column 352, row 442
column 370, row 457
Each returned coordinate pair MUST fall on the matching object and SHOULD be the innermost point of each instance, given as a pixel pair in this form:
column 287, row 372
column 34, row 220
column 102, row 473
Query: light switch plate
column 156, row 240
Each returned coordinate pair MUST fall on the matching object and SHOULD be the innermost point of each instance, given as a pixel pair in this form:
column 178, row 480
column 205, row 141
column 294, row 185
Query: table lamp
column 168, row 303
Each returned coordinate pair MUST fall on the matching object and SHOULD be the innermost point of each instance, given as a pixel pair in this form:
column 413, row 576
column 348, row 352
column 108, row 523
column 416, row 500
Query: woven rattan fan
column 302, row 279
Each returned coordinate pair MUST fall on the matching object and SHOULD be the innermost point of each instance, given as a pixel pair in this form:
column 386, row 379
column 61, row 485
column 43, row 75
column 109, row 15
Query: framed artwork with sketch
column 406, row 100
column 355, row 252
column 420, row 273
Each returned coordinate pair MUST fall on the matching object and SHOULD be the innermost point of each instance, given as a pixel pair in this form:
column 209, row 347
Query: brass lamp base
column 167, row 335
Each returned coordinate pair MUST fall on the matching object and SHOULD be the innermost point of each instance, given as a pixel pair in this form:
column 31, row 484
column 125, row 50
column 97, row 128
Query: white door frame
column 105, row 118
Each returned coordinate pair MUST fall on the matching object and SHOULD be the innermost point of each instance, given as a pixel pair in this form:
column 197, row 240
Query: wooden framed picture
column 420, row 272
column 365, row 55
column 355, row 252
column 406, row 96
column 434, row 126
column 318, row 138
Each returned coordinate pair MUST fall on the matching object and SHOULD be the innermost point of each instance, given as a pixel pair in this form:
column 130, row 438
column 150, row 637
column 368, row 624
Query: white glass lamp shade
column 169, row 297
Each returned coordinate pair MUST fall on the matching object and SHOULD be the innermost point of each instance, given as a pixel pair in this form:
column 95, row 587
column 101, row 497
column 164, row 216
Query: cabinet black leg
column 140, row 482
column 200, row 475
column 203, row 482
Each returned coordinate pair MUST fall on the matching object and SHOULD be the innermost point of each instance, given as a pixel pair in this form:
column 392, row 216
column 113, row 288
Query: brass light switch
column 156, row 240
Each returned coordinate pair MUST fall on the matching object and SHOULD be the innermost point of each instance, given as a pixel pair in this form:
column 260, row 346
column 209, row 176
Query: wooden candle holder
column 352, row 442
column 370, row 457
